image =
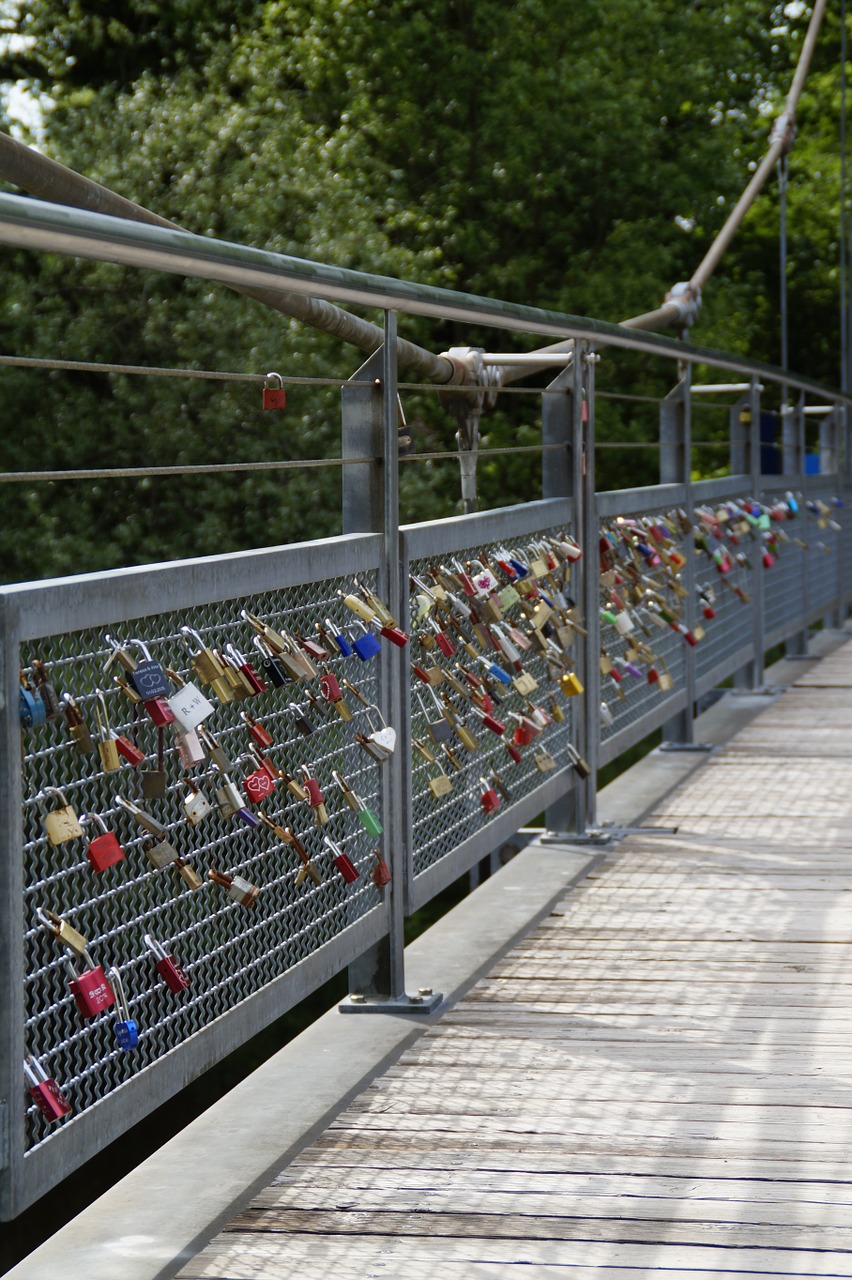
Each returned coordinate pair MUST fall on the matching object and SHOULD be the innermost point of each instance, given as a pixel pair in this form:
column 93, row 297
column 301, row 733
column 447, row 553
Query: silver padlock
column 195, row 805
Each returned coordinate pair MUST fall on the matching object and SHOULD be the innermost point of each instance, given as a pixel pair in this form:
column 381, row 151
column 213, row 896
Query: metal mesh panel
column 635, row 698
column 227, row 951
column 732, row 629
column 441, row 824
column 823, row 566
column 783, row 591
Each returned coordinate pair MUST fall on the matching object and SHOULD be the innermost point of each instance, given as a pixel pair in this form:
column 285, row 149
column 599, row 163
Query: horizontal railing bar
column 617, row 502
column 722, row 487
column 40, row 226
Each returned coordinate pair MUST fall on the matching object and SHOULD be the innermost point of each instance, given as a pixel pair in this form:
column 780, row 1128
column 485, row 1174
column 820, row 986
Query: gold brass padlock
column 557, row 714
column 107, row 748
column 204, row 662
column 570, row 684
column 440, row 786
column 60, row 824
column 62, row 931
column 465, row 737
column 525, row 683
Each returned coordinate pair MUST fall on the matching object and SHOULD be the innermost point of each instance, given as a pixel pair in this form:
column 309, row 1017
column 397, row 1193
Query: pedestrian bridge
column 642, row 1068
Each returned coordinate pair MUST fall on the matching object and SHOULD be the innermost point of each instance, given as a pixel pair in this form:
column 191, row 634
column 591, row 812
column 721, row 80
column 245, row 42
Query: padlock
column 189, row 748
column 544, row 761
column 90, row 989
column 504, row 791
column 60, row 824
column 203, row 660
column 238, row 685
column 146, row 820
column 60, row 929
column 578, row 764
column 166, row 965
column 452, row 757
column 253, row 682
column 32, row 710
column 556, row 712
column 187, row 873
column 122, row 654
column 257, row 731
column 496, row 671
column 359, row 607
column 107, row 749
column 342, row 861
column 149, row 677
column 274, row 394
column 229, row 799
column 367, row 817
column 195, row 805
column 241, row 890
column 128, row 750
column 272, row 669
column 300, row 720
column 339, row 638
column 330, row 687
column 46, row 691
column 442, row 640
column 284, row 833
column 425, row 750
column 44, row 1091
column 525, row 683
column 104, row 851
column 162, row 854
column 77, row 727
column 126, row 1028
column 160, row 711
column 153, row 779
column 525, row 731
column 259, row 785
column 315, row 797
column 490, row 800
column 570, row 684
column 465, row 737
column 383, row 738
column 492, row 723
column 313, row 648
column 188, row 705
column 217, row 753
column 380, row 874
column 440, row 785
column 440, row 729
column 513, row 750
column 367, row 645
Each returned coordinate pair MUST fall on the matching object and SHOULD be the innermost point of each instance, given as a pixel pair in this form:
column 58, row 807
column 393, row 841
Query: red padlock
column 245, row 668
column 104, row 851
column 262, row 736
column 159, row 711
column 342, row 862
column 494, row 725
column 653, row 675
column 330, row 687
column 45, row 1092
column 709, row 611
column 315, row 795
column 395, row 635
column 442, row 640
column 129, row 750
column 166, row 965
column 381, row 871
column 513, row 751
column 274, row 396
column 523, row 734
column 258, row 785
column 90, row 989
column 490, row 799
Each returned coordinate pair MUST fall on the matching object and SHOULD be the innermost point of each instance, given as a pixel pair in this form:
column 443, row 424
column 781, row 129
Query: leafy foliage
column 579, row 159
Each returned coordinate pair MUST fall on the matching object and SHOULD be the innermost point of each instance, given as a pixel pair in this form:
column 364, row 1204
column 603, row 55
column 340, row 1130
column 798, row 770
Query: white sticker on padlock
column 190, row 706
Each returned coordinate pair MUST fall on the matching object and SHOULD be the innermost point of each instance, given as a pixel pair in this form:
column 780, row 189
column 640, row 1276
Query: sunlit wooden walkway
column 656, row 1082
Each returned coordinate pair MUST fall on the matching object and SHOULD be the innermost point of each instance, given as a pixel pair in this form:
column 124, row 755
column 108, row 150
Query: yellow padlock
column 570, row 684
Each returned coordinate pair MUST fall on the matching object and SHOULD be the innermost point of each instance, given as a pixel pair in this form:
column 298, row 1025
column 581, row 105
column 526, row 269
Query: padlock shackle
column 141, row 644
column 335, row 848
column 114, row 979
column 273, row 374
column 190, row 631
column 86, row 818
column 155, row 947
column 46, row 792
column 32, row 1067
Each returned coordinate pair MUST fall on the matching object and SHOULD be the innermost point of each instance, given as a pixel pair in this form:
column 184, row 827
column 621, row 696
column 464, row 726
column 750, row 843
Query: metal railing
column 246, row 965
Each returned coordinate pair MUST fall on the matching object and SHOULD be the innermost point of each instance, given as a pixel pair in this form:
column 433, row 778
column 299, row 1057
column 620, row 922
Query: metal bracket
column 598, row 836
column 687, row 746
column 765, row 691
column 426, row 1001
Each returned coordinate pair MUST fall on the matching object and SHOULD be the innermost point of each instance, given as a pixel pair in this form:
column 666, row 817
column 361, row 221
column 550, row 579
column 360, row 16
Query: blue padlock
column 367, row 645
column 126, row 1030
column 339, row 638
column 149, row 679
column 497, row 672
column 33, row 710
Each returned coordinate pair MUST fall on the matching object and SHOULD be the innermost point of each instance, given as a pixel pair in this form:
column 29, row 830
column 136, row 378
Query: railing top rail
column 37, row 225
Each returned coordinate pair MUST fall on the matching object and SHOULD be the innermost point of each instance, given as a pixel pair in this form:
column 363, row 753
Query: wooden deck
column 656, row 1082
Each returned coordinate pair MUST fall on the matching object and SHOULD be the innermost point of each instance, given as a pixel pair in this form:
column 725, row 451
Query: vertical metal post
column 793, row 454
column 588, row 526
column 561, row 413
column 371, row 503
column 745, row 448
column 12, row 1134
column 829, row 464
column 676, row 468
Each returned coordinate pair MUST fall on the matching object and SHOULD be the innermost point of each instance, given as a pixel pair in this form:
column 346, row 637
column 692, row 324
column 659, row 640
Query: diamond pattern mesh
column 227, row 951
column 441, row 824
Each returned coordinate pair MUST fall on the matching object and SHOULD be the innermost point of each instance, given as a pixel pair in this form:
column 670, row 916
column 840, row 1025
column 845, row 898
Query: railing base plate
column 424, row 1002
column 687, row 746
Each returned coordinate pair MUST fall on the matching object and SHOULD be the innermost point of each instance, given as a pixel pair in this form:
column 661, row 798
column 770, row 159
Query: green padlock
column 368, row 818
